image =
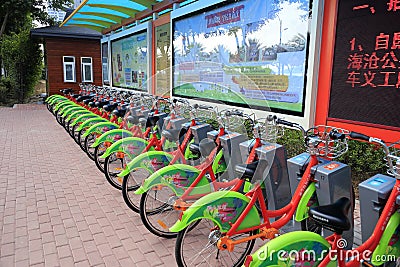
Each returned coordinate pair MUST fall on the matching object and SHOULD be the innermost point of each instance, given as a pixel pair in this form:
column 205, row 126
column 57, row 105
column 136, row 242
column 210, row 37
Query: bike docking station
column 230, row 142
column 275, row 174
column 199, row 133
column 333, row 182
column 374, row 193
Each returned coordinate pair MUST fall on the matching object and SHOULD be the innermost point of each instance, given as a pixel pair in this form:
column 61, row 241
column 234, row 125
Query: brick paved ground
column 57, row 209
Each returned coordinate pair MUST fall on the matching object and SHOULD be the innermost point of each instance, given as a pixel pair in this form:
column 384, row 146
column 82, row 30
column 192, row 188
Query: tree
column 13, row 13
column 22, row 60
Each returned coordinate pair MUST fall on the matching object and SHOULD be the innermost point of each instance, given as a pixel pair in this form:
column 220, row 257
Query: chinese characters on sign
column 366, row 68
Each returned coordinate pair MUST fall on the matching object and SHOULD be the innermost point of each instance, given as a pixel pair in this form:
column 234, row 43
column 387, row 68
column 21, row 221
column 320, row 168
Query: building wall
column 56, row 48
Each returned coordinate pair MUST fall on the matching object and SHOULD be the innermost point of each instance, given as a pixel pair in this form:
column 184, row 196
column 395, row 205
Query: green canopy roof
column 100, row 15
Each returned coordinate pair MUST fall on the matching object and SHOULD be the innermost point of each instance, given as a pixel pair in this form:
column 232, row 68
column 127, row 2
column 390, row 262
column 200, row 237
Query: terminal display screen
column 129, row 61
column 365, row 84
column 250, row 52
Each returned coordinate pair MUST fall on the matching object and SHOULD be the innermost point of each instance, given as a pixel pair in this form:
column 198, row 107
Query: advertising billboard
column 244, row 52
column 365, row 84
column 129, row 61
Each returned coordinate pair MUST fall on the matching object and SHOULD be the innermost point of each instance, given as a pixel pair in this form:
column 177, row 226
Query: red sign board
column 224, row 17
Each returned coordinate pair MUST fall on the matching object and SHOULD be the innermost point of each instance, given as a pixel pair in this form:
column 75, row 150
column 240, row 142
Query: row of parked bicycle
column 178, row 166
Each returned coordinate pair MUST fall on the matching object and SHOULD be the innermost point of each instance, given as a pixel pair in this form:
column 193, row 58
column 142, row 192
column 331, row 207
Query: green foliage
column 293, row 142
column 13, row 13
column 6, row 92
column 364, row 159
column 22, row 61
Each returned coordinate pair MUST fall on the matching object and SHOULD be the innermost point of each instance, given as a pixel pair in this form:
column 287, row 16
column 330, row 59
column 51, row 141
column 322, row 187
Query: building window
column 87, row 69
column 69, row 69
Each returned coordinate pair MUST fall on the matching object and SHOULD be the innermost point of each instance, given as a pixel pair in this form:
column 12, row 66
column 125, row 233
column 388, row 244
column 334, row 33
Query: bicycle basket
column 206, row 115
column 325, row 145
column 270, row 131
column 241, row 124
column 394, row 157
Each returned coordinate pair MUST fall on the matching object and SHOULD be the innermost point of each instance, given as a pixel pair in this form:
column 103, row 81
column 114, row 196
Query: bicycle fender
column 107, row 134
column 131, row 146
column 273, row 252
column 90, row 122
column 67, row 108
column 385, row 246
column 219, row 164
column 77, row 113
column 85, row 116
column 302, row 208
column 223, row 208
column 51, row 99
column 70, row 110
column 100, row 128
column 152, row 161
column 58, row 100
column 62, row 104
column 178, row 177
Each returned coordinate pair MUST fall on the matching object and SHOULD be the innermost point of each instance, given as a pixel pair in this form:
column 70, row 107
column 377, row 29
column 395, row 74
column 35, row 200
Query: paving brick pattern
column 57, row 209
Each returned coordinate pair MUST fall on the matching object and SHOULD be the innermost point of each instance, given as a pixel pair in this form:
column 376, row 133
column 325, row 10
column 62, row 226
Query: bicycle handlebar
column 335, row 135
column 359, row 136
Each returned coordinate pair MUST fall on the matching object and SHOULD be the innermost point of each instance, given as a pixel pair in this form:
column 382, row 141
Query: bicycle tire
column 197, row 235
column 75, row 133
column 157, row 212
column 309, row 224
column 131, row 183
column 111, row 171
column 89, row 140
column 99, row 151
column 81, row 141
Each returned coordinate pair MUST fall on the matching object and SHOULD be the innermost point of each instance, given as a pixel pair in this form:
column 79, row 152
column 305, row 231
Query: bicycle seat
column 171, row 135
column 119, row 112
column 206, row 146
column 194, row 148
column 87, row 100
column 100, row 104
column 133, row 119
column 152, row 120
column 110, row 107
column 334, row 216
column 246, row 171
column 92, row 104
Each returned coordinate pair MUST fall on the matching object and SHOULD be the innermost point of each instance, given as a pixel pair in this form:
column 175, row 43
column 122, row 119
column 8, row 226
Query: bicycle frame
column 372, row 242
column 286, row 212
column 207, row 167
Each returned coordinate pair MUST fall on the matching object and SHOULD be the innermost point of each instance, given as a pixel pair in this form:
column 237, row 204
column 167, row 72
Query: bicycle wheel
column 81, row 140
column 309, row 224
column 58, row 117
column 113, row 166
column 89, row 140
column 75, row 133
column 98, row 152
column 157, row 211
column 130, row 184
column 197, row 246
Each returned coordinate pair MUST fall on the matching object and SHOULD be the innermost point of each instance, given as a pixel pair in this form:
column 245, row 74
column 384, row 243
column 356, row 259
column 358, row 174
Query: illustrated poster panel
column 129, row 62
column 366, row 67
column 104, row 63
column 247, row 52
column 163, row 59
